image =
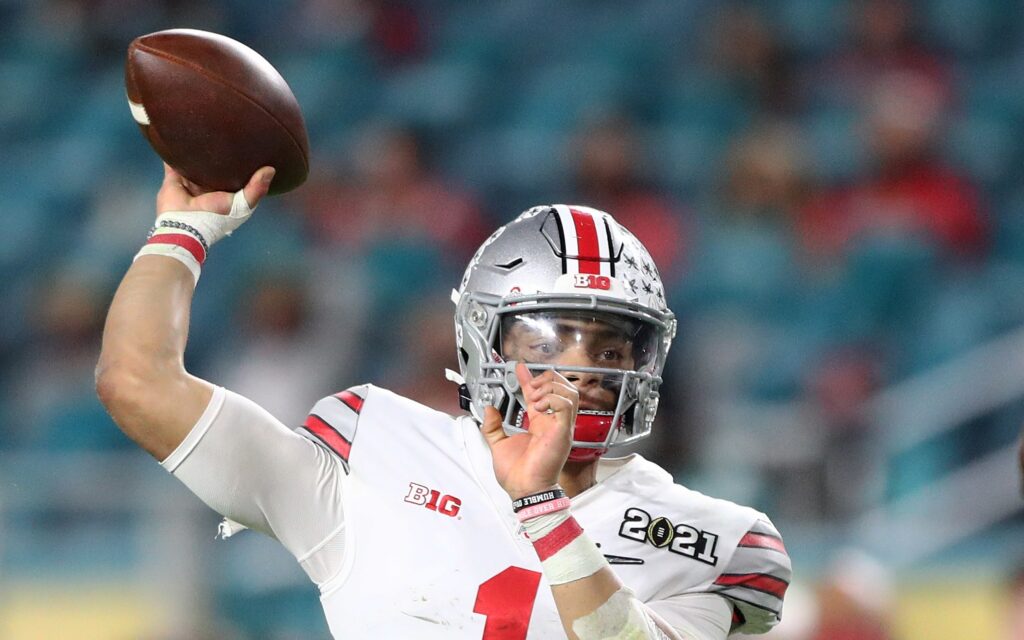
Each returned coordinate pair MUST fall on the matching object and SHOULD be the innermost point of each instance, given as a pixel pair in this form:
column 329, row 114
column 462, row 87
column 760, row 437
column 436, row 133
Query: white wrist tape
column 621, row 617
column 565, row 552
column 186, row 236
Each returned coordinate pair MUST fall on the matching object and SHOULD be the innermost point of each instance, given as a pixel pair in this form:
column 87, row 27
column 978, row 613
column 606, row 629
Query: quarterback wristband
column 178, row 241
column 538, row 498
column 566, row 553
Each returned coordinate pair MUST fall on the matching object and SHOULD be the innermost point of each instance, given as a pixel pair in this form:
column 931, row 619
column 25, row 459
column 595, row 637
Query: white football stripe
column 138, row 112
column 572, row 247
column 602, row 243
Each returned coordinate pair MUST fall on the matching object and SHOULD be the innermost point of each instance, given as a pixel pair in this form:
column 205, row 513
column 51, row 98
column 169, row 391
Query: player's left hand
column 527, row 463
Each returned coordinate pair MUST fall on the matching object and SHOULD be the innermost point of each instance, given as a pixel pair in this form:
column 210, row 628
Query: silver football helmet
column 526, row 294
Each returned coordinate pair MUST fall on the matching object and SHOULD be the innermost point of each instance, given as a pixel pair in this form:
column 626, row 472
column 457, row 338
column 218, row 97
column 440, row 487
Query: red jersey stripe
column 328, row 436
column 757, row 581
column 182, row 240
column 557, row 538
column 589, row 249
column 351, row 400
column 762, row 541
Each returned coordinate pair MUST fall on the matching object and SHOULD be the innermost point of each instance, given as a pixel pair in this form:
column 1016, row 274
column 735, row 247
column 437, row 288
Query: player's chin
column 598, row 401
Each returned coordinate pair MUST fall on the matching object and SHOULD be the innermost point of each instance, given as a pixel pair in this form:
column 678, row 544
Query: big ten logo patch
column 433, row 499
column 591, row 281
column 681, row 539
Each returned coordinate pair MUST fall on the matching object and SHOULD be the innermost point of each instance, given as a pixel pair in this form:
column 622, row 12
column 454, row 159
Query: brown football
column 215, row 110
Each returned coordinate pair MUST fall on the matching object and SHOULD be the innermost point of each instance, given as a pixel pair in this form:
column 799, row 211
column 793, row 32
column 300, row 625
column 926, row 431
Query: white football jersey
column 408, row 534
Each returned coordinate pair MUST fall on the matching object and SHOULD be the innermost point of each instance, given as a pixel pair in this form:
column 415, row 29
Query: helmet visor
column 589, row 348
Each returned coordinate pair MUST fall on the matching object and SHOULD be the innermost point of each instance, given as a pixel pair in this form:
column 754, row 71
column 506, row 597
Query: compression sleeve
column 249, row 467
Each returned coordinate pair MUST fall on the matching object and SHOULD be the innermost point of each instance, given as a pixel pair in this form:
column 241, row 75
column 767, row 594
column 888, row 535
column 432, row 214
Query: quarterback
column 504, row 524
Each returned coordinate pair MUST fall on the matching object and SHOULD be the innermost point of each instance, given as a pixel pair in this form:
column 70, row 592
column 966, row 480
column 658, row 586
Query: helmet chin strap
column 591, row 426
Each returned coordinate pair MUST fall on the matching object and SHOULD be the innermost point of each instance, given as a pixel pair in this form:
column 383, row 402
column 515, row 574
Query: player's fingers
column 524, row 376
column 558, row 399
column 258, row 186
column 491, row 428
column 172, row 195
column 561, row 408
column 566, row 390
column 170, row 175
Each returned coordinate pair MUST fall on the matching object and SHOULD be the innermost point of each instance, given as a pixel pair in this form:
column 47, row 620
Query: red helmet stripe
column 588, row 248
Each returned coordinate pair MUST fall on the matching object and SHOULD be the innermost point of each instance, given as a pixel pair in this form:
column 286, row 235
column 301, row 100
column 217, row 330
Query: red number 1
column 507, row 601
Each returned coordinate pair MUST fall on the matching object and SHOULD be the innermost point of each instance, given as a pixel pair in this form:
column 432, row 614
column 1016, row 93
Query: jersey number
column 507, row 601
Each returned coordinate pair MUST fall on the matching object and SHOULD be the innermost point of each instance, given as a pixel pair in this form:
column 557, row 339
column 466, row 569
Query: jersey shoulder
column 335, row 420
column 752, row 566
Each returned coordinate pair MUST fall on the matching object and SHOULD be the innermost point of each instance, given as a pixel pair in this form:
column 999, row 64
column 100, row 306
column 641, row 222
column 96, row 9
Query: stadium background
column 832, row 190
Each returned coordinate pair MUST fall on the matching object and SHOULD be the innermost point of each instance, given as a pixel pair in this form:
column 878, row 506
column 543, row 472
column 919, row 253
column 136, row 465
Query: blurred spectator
column 909, row 190
column 285, row 354
column 393, row 30
column 50, row 386
column 1015, row 604
column 855, row 599
column 746, row 50
column 883, row 41
column 427, row 349
column 608, row 169
column 392, row 195
column 745, row 258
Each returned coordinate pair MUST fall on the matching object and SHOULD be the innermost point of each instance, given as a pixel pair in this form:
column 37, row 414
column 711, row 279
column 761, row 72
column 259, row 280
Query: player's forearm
column 590, row 598
column 140, row 376
column 588, row 611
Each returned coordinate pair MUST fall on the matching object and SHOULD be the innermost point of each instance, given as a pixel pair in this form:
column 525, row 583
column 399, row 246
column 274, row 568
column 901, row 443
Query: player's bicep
column 249, row 467
column 695, row 616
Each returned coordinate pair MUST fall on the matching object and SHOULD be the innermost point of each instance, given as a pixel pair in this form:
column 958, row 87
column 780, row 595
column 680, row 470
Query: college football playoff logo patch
column 660, row 532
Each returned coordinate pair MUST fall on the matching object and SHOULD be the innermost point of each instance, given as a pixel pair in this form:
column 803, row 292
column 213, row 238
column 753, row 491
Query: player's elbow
column 126, row 390
column 118, row 388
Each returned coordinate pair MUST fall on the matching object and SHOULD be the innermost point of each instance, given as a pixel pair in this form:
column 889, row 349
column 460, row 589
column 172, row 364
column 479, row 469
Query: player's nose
column 578, row 357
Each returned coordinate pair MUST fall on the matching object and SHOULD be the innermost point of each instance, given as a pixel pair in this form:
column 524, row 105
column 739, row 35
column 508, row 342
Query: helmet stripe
column 561, row 238
column 569, row 236
column 588, row 248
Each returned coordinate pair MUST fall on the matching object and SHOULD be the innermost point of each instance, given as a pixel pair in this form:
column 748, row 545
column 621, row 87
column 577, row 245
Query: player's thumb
column 491, row 428
column 258, row 186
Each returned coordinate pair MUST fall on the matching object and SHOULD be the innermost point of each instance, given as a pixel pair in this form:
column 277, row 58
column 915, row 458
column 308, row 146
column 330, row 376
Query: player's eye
column 610, row 355
column 545, row 348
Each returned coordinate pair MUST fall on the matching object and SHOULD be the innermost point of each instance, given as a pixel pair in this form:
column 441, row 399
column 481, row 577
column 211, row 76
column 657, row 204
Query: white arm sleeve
column 696, row 616
column 247, row 466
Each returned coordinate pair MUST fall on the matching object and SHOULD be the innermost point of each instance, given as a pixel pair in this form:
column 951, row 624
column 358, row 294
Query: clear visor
column 589, row 348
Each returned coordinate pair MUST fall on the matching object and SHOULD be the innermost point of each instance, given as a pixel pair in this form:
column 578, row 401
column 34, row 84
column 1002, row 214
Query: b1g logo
column 680, row 538
column 591, row 281
column 433, row 500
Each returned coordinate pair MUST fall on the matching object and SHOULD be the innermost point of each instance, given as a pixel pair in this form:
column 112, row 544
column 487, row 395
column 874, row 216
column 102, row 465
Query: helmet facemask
column 613, row 356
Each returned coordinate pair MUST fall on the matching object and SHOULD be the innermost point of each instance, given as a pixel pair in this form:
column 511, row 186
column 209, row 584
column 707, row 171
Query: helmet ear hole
column 463, row 356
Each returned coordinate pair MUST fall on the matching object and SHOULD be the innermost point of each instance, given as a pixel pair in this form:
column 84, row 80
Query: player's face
column 574, row 340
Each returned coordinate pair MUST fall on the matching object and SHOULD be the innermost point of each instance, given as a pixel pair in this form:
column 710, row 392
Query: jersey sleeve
column 697, row 616
column 756, row 578
column 333, row 421
column 252, row 469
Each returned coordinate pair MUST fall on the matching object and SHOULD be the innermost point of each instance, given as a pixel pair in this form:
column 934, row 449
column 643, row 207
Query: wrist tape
column 565, row 552
column 187, row 236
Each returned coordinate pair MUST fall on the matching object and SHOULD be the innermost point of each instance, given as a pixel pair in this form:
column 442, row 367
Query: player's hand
column 178, row 194
column 526, row 463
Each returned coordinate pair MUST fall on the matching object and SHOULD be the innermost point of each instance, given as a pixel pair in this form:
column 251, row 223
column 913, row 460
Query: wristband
column 181, row 242
column 537, row 498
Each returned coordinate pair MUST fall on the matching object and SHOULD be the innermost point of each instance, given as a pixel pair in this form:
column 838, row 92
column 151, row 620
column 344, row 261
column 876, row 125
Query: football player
column 506, row 523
